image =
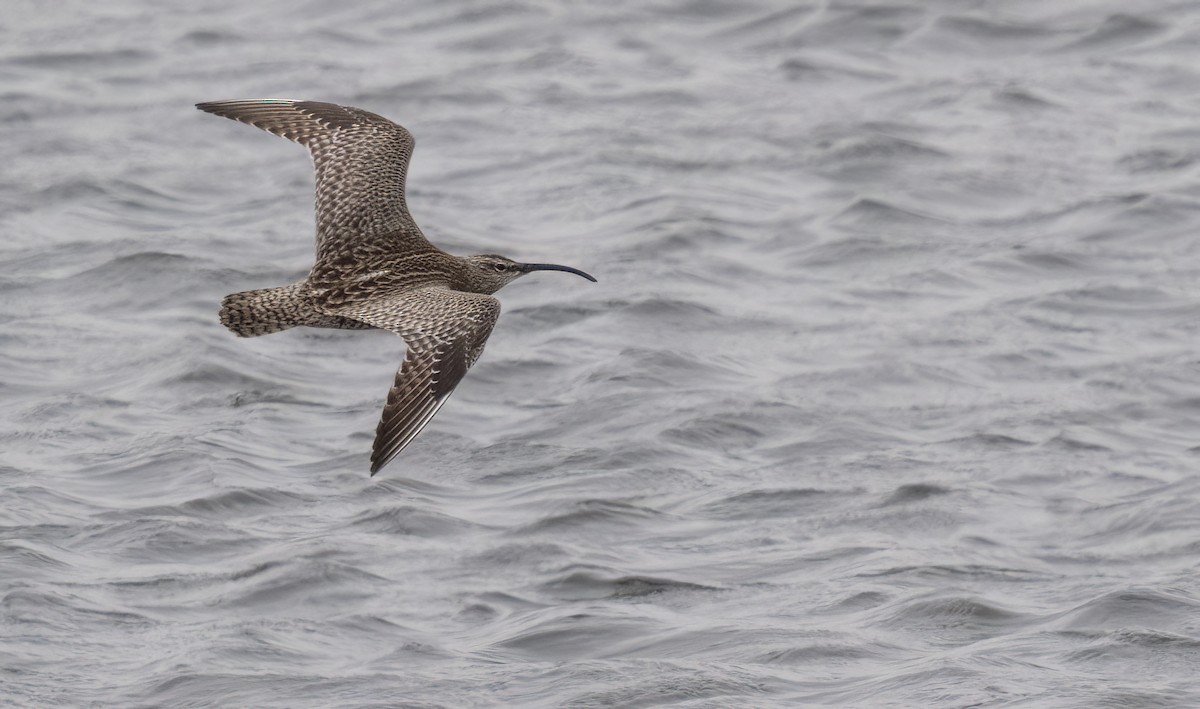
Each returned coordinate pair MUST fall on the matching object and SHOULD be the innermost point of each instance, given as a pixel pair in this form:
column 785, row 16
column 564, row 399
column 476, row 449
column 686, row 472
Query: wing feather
column 446, row 331
column 361, row 162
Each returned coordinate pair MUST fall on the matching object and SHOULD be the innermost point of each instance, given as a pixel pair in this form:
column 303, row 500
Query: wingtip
column 209, row 105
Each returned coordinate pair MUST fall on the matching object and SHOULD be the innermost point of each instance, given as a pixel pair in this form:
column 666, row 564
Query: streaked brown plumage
column 373, row 267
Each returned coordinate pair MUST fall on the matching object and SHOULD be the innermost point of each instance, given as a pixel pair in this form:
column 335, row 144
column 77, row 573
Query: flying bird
column 373, row 267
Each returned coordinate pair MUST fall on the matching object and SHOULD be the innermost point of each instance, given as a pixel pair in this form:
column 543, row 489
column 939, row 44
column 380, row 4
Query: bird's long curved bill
column 527, row 267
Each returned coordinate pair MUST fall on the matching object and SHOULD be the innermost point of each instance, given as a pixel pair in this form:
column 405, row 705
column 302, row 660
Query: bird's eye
column 500, row 267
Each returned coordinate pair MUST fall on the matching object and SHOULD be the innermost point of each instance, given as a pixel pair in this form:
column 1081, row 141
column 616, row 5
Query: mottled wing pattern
column 361, row 160
column 445, row 331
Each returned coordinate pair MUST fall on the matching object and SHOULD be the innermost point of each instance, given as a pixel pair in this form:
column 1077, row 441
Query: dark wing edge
column 303, row 122
column 423, row 384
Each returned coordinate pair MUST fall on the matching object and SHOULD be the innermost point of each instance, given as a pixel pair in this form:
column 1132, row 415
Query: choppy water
column 888, row 395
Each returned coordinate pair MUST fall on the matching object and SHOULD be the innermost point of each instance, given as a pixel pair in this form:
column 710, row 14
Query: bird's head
column 489, row 272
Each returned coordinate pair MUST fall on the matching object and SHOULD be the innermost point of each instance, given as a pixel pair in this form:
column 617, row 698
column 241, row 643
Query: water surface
column 887, row 396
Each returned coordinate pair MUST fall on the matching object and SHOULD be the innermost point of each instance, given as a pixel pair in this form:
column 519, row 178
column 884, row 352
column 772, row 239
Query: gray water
column 888, row 395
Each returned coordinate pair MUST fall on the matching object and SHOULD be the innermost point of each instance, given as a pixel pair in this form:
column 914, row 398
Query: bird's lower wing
column 445, row 331
column 423, row 383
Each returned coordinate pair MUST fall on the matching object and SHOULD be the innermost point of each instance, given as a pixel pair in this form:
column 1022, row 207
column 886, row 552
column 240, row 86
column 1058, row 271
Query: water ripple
column 887, row 394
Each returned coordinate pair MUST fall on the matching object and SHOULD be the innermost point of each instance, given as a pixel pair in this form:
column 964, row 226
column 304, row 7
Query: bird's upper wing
column 361, row 160
column 445, row 331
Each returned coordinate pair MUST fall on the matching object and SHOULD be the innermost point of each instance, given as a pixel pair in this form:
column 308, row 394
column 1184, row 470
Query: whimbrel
column 373, row 266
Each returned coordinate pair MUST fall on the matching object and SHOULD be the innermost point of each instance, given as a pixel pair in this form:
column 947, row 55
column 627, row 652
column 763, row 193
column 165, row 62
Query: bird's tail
column 261, row 312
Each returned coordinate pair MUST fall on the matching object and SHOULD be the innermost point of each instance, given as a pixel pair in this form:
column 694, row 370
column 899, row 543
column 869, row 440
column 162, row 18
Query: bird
column 373, row 267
